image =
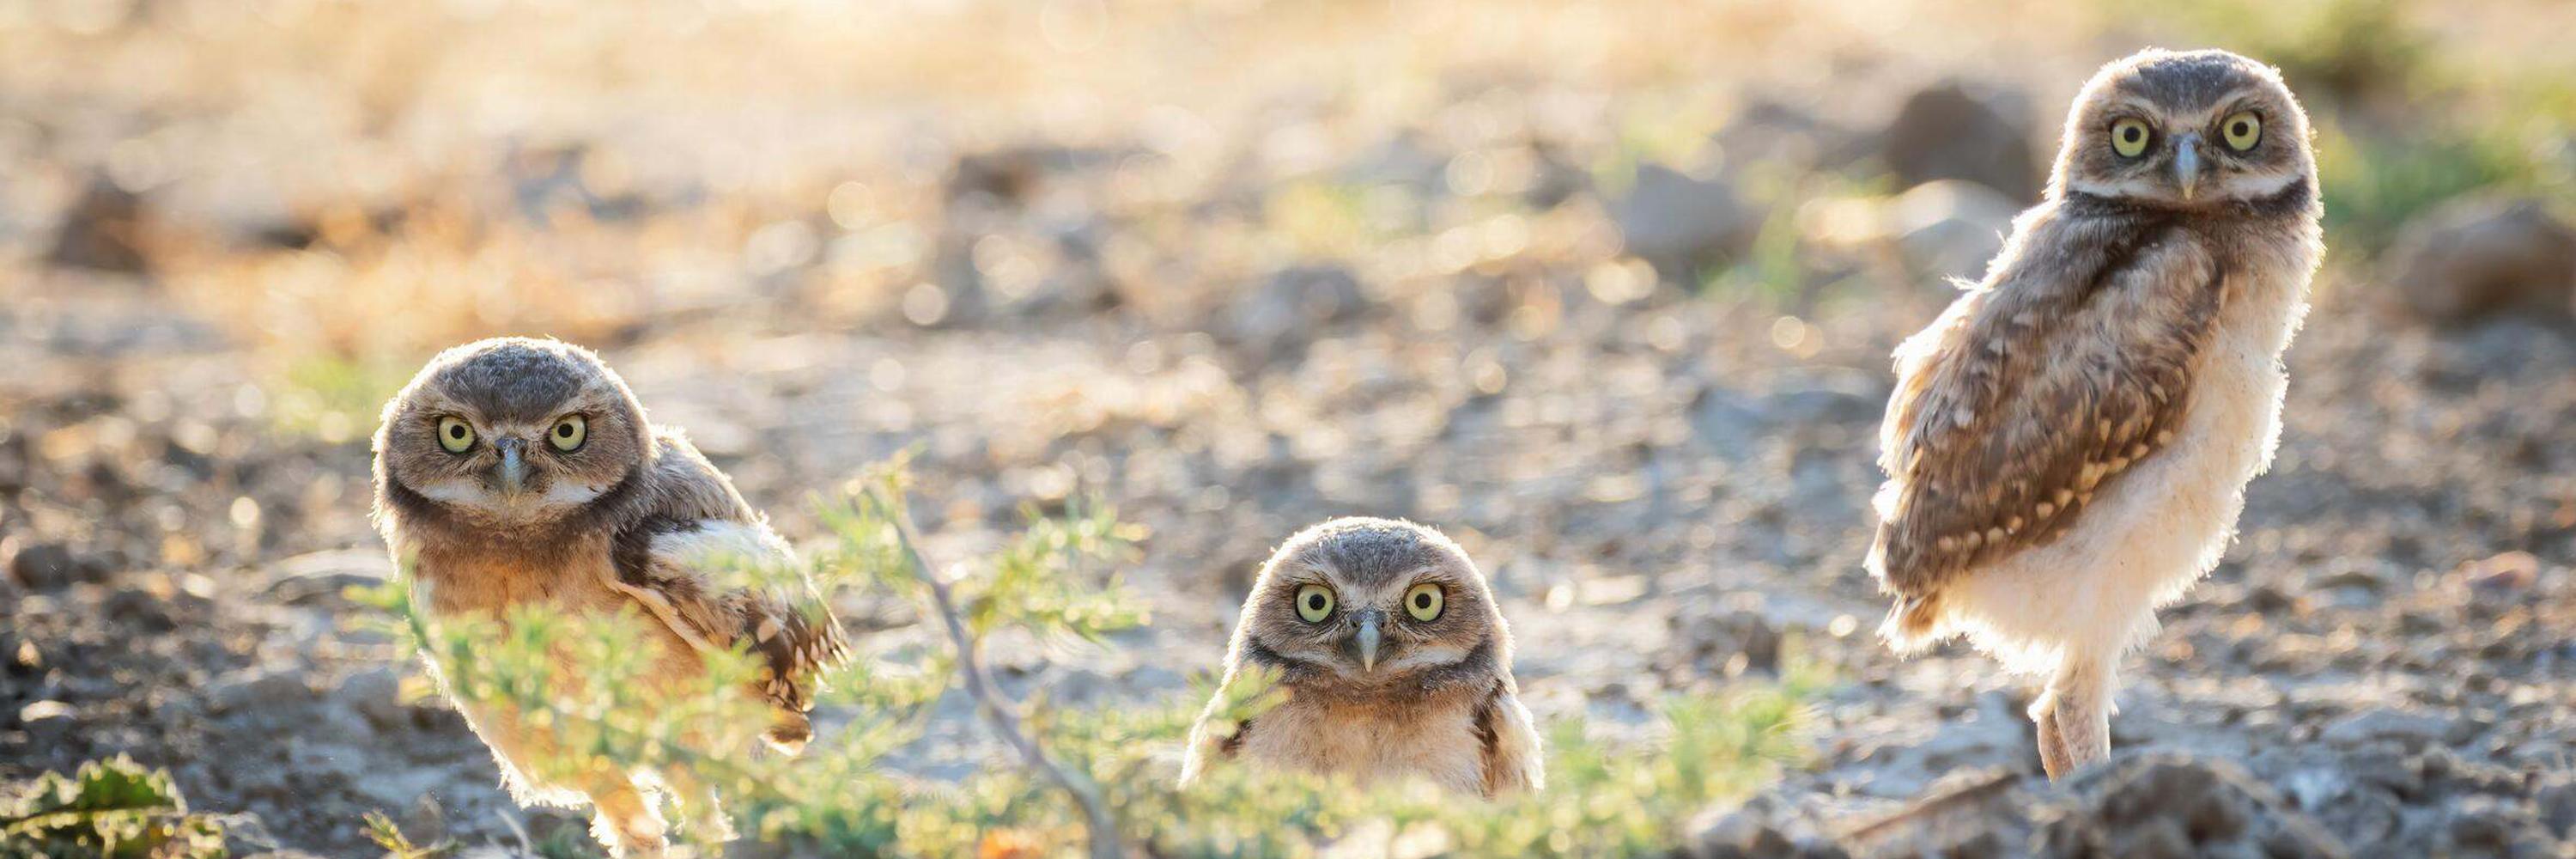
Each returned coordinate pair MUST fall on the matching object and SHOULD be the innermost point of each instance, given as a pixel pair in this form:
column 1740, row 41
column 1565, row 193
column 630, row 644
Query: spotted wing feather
column 2061, row 372
column 707, row 566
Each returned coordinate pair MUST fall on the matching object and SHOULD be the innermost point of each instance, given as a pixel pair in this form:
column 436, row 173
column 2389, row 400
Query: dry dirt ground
column 1668, row 485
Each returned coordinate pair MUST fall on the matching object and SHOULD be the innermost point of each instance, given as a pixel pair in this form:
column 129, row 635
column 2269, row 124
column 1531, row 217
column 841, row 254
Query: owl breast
column 1435, row 739
column 458, row 584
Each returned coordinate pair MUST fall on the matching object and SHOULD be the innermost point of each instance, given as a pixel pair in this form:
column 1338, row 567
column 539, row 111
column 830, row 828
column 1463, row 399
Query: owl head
column 2184, row 130
column 509, row 434
column 1358, row 607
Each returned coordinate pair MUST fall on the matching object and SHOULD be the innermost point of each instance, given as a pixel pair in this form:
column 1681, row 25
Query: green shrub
column 111, row 808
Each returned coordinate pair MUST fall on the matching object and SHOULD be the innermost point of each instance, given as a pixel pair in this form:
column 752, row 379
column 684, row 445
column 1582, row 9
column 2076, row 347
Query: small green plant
column 330, row 397
column 2330, row 51
column 110, row 808
column 382, row 831
column 2374, row 184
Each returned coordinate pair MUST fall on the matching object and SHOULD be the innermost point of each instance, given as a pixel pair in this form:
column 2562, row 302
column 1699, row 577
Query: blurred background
column 1606, row 291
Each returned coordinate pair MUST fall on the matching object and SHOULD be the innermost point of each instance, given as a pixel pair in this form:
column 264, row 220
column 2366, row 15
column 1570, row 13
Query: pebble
column 2412, row 729
column 1681, row 223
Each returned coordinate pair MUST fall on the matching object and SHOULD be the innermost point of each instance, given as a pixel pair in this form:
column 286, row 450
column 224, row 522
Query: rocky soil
column 1666, row 479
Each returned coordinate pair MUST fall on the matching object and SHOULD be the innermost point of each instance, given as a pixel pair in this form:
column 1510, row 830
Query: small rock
column 2479, row 255
column 102, row 231
column 1951, row 227
column 1762, row 828
column 1947, row 131
column 48, row 566
column 376, row 694
column 2557, row 802
column 2170, row 805
column 1681, row 223
column 1287, row 310
column 246, row 690
column 322, row 577
column 2414, row 730
column 48, row 722
column 2491, row 825
column 141, row 609
column 2510, row 572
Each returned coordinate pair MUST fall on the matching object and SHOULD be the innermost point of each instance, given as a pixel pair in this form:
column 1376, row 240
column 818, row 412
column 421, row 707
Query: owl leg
column 2052, row 743
column 2078, row 714
column 623, row 820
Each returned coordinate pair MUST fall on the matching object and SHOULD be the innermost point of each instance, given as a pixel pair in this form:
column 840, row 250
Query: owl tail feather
column 1915, row 623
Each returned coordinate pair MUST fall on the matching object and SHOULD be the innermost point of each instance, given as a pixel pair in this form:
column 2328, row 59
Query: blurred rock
column 256, row 689
column 2557, row 804
column 322, row 578
column 2507, row 573
column 1764, row 827
column 1948, row 131
column 1402, row 159
column 2413, row 730
column 138, row 608
column 1683, row 224
column 2137, row 805
column 103, row 230
column 50, row 566
column 376, row 695
column 1950, row 228
column 1715, row 640
column 1286, row 311
column 2482, row 255
column 1011, row 175
column 48, row 720
column 1778, row 134
column 2173, row 806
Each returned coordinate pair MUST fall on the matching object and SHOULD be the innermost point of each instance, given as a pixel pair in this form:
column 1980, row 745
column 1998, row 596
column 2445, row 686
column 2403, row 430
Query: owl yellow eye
column 455, row 434
column 1424, row 601
column 1314, row 603
column 568, row 433
column 2241, row 130
column 2129, row 137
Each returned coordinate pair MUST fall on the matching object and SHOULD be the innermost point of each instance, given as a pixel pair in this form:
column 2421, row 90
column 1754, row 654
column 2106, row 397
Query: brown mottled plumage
column 2068, row 445
column 516, row 471
column 1395, row 662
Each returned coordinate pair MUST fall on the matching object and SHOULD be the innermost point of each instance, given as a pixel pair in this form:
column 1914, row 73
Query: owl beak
column 2187, row 165
column 514, row 464
column 1369, row 637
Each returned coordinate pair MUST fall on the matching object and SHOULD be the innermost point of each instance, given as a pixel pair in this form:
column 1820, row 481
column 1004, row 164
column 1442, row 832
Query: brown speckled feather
column 2070, row 364
column 684, row 555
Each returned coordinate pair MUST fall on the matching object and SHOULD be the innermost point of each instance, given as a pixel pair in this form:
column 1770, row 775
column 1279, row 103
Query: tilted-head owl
column 2068, row 445
column 514, row 472
column 1394, row 659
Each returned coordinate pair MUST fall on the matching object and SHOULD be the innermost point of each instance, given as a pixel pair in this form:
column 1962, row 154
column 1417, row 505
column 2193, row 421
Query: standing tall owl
column 1394, row 660
column 2068, row 445
column 517, row 472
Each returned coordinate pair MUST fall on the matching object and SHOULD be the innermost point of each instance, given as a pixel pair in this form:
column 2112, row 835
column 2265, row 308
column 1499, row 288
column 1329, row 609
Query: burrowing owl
column 1394, row 659
column 515, row 471
column 2068, row 444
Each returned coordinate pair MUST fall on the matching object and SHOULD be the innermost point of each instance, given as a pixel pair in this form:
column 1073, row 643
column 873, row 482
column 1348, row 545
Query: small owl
column 516, row 471
column 2068, row 445
column 1394, row 660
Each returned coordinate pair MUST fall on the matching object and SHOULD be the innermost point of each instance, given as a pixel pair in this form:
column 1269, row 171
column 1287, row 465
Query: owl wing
column 2070, row 364
column 1510, row 741
column 683, row 561
column 1217, row 735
